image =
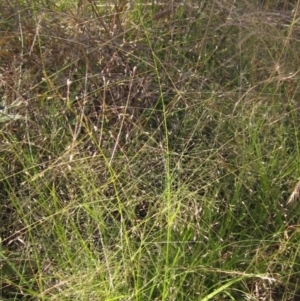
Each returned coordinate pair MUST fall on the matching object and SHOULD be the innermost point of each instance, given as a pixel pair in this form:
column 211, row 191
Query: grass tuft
column 148, row 150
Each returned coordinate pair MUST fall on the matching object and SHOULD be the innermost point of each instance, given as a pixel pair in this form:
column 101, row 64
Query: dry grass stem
column 295, row 194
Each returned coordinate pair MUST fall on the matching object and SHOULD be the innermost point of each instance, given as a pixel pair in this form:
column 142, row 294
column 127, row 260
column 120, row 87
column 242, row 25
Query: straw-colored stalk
column 295, row 194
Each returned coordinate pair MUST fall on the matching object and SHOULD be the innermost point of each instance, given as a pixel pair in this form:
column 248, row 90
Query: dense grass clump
column 149, row 151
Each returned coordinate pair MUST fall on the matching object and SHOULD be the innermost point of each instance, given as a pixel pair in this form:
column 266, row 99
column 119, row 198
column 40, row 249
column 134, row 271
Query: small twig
column 168, row 11
column 162, row 14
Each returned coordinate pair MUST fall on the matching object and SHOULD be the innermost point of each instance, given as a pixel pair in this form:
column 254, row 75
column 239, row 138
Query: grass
column 149, row 152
